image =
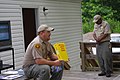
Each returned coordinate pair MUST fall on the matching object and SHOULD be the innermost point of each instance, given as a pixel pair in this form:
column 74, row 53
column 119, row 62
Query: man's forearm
column 101, row 37
column 95, row 37
column 44, row 61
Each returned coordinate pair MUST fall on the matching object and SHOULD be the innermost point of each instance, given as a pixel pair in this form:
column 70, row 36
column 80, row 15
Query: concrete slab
column 78, row 75
column 89, row 75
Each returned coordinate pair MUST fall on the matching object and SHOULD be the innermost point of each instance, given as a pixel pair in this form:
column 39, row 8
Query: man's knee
column 44, row 73
column 45, row 69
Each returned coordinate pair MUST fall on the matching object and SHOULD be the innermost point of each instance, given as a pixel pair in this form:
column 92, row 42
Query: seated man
column 39, row 58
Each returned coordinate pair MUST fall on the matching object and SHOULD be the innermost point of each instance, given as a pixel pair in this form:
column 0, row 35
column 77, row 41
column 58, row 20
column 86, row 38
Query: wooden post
column 82, row 47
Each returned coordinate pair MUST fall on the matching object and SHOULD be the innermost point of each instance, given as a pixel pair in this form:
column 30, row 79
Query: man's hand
column 57, row 63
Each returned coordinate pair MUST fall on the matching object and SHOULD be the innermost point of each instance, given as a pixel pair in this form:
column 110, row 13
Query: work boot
column 108, row 75
column 102, row 74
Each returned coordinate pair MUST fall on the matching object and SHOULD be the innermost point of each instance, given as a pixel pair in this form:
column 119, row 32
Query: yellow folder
column 61, row 51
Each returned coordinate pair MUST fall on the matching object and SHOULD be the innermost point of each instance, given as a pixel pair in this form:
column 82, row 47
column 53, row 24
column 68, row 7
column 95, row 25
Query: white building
column 26, row 15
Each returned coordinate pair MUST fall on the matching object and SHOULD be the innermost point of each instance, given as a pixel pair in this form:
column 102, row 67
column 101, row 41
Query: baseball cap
column 44, row 27
column 96, row 18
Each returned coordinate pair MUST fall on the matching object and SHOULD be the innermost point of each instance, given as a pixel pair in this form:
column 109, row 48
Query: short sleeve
column 36, row 51
column 107, row 29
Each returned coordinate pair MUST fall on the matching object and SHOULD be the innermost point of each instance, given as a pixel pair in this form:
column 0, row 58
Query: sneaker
column 108, row 75
column 102, row 74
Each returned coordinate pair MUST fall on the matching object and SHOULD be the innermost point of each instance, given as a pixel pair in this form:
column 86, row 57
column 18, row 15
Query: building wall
column 13, row 13
column 64, row 16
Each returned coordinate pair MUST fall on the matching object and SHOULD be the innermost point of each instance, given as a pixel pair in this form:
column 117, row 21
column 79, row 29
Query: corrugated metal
column 63, row 15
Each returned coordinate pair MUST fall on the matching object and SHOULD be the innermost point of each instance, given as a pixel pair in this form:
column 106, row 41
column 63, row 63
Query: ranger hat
column 96, row 18
column 44, row 27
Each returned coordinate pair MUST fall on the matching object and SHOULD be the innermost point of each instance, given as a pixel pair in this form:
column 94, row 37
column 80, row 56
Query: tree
column 93, row 7
column 115, row 4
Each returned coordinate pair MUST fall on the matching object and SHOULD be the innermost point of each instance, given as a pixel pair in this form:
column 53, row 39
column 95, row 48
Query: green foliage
column 92, row 7
column 115, row 25
column 88, row 27
column 115, row 4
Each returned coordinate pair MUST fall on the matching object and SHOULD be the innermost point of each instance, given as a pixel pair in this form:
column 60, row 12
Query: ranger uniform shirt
column 103, row 28
column 37, row 49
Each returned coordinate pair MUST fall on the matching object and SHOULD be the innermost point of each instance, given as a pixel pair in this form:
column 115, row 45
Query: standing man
column 40, row 57
column 101, row 34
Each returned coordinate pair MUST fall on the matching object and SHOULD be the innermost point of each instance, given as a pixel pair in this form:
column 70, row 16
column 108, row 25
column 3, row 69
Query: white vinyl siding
column 13, row 13
column 63, row 15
